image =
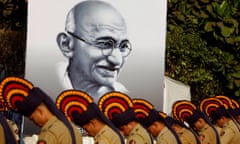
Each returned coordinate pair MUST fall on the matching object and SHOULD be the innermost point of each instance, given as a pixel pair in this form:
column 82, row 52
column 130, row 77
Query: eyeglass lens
column 107, row 47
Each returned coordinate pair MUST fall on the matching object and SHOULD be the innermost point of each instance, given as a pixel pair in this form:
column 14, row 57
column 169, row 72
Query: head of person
column 220, row 116
column 117, row 107
column 96, row 43
column 154, row 123
column 229, row 110
column 151, row 119
column 186, row 111
column 196, row 120
column 34, row 107
column 79, row 107
column 90, row 120
column 40, row 115
column 215, row 109
column 127, row 128
column 176, row 125
column 207, row 106
column 23, row 97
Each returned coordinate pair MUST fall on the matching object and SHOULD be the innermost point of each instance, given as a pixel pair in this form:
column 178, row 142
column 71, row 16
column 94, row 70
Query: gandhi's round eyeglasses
column 107, row 44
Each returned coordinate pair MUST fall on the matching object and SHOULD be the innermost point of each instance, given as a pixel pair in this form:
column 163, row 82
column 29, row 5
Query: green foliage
column 189, row 60
column 12, row 56
column 203, row 48
column 13, row 20
column 13, row 14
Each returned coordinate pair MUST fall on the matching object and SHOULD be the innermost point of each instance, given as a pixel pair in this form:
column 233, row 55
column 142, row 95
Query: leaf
column 209, row 26
column 237, row 93
column 236, row 75
column 225, row 31
column 230, row 40
column 180, row 17
column 237, row 39
column 210, row 10
column 233, row 23
column 237, row 83
column 221, row 10
column 237, row 67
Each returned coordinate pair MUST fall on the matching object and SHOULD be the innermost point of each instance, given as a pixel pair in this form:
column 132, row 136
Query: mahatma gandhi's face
column 90, row 61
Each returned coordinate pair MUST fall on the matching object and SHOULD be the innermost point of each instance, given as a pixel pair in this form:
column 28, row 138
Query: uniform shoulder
column 107, row 136
column 55, row 131
column 137, row 138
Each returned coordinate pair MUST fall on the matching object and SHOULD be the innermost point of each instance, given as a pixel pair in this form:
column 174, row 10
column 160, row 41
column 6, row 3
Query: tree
column 13, row 22
column 13, row 14
column 203, row 46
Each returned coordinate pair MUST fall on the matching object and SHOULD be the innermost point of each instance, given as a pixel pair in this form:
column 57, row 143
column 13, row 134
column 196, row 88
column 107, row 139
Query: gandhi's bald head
column 92, row 16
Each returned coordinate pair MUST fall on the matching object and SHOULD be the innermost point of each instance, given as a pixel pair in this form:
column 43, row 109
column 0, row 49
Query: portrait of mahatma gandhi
column 96, row 44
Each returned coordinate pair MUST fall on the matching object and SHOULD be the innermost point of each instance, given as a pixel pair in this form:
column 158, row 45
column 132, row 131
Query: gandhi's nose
column 116, row 57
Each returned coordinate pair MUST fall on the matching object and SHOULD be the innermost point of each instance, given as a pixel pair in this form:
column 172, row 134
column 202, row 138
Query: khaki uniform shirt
column 229, row 134
column 233, row 125
column 166, row 137
column 55, row 132
column 187, row 137
column 207, row 135
column 237, row 123
column 139, row 135
column 2, row 135
column 107, row 136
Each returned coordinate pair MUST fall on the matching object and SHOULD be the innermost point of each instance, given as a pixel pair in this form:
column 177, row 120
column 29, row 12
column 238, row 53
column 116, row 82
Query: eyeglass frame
column 91, row 44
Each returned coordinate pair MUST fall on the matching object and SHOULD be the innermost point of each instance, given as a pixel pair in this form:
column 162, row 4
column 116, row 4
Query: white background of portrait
column 144, row 69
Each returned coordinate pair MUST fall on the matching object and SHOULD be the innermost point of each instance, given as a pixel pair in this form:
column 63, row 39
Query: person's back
column 207, row 135
column 55, row 132
column 229, row 134
column 234, row 125
column 139, row 135
column 107, row 136
column 186, row 136
column 166, row 137
column 77, row 134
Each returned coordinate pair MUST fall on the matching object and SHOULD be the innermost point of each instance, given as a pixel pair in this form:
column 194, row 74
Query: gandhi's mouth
column 108, row 71
column 109, row 68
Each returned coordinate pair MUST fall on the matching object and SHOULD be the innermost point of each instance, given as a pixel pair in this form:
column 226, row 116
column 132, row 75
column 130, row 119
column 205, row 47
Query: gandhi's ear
column 65, row 44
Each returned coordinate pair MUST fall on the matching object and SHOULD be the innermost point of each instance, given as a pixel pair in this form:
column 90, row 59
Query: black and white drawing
column 97, row 46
